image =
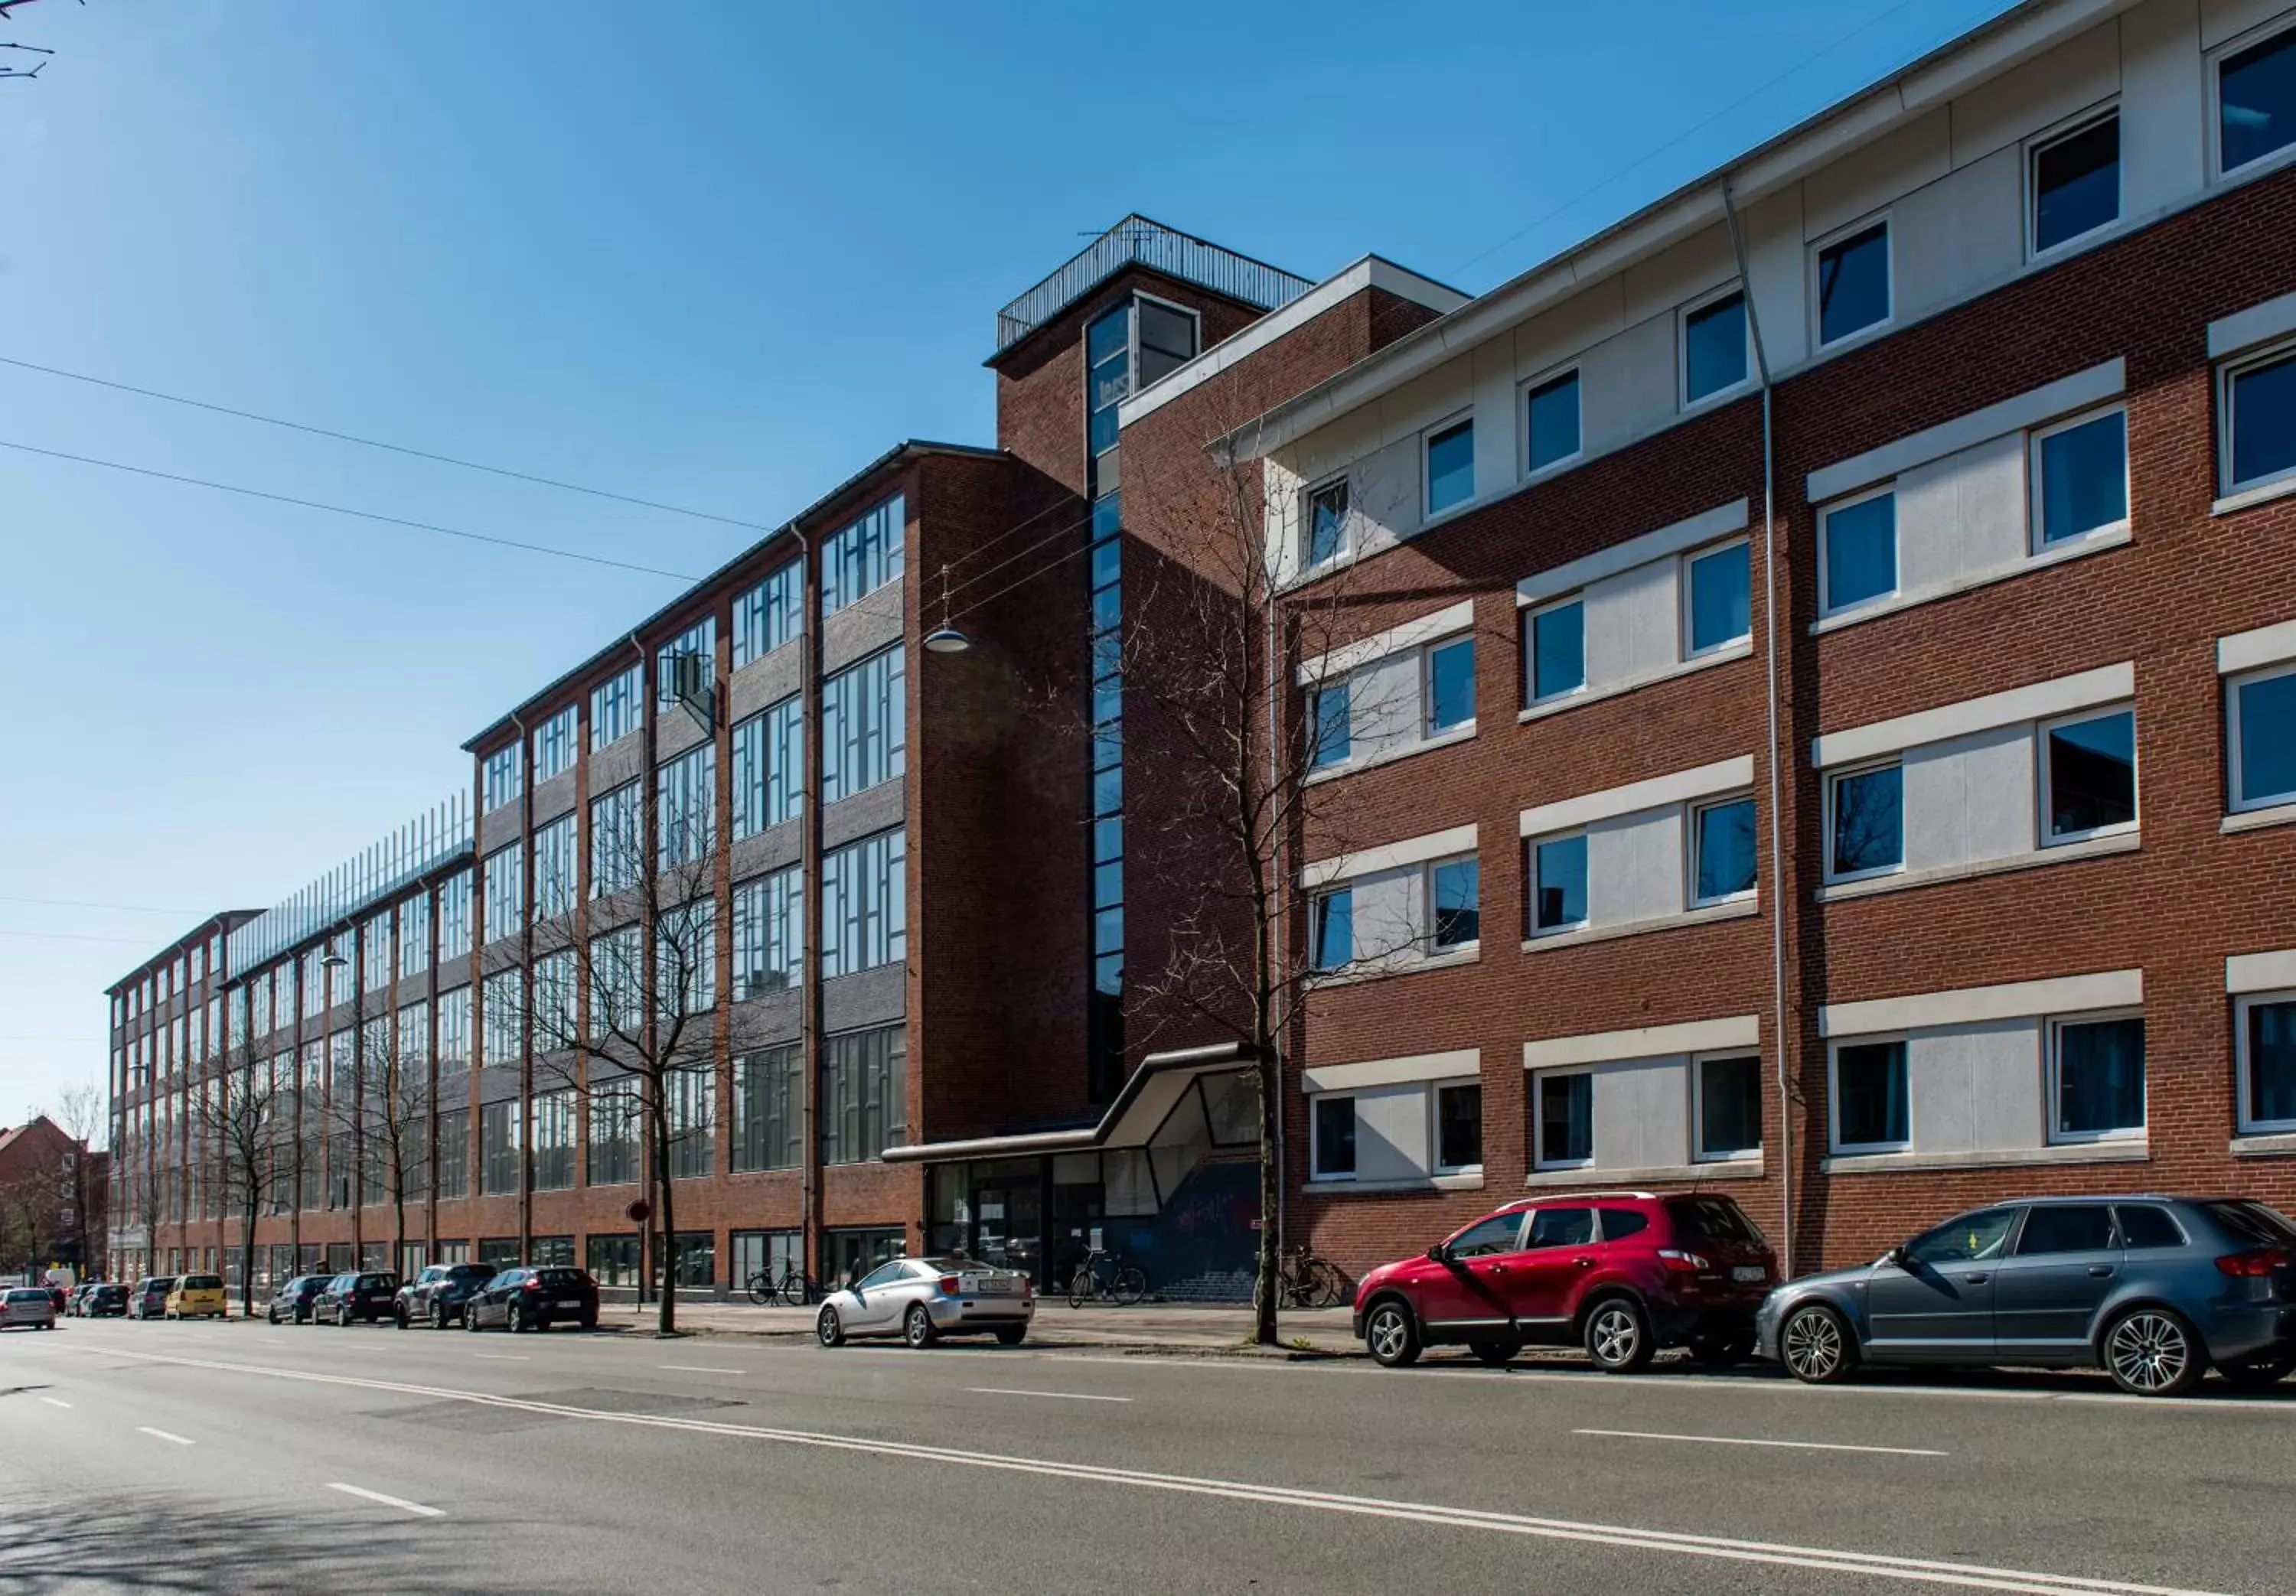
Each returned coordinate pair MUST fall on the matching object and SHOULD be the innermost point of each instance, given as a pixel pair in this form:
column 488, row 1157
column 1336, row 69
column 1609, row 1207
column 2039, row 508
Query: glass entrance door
column 1008, row 1224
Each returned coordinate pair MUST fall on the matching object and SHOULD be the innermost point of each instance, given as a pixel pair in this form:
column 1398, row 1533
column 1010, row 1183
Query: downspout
column 645, row 842
column 526, row 991
column 1784, row 1037
column 1272, row 682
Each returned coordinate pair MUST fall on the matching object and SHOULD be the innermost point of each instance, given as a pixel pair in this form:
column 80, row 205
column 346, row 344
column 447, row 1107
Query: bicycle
column 792, row 1288
column 1119, row 1284
column 1305, row 1280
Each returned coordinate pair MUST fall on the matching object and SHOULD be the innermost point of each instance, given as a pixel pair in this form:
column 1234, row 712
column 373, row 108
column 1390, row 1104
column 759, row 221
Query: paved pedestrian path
column 1150, row 1327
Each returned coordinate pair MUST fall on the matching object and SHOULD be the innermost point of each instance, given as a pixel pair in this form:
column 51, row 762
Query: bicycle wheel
column 1327, row 1286
column 761, row 1288
column 1130, row 1286
column 796, row 1290
column 1080, row 1286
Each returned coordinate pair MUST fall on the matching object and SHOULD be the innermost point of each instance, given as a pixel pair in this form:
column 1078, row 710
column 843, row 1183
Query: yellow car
column 197, row 1297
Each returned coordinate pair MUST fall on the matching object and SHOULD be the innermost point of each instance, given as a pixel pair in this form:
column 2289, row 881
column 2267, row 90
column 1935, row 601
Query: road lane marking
column 699, row 1369
column 1063, row 1395
column 55, row 1402
column 415, row 1508
column 163, row 1435
column 1828, row 1559
column 1646, row 1435
column 504, row 1357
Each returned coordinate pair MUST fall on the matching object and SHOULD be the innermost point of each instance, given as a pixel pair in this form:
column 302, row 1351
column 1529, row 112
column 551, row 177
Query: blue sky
column 713, row 255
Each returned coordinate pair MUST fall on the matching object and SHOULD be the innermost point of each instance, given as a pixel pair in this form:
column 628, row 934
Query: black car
column 105, row 1301
column 528, row 1299
column 435, row 1296
column 293, row 1299
column 362, row 1294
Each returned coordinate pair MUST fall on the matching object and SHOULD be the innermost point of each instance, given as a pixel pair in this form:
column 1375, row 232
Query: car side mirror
column 1439, row 1254
column 1895, row 1258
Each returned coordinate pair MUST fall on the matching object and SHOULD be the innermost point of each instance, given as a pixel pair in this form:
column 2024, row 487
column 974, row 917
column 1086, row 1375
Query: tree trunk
column 666, row 1315
column 247, row 1258
column 1264, row 1283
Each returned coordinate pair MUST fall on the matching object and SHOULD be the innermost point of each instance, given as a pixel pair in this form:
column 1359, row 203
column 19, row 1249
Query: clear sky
column 714, row 255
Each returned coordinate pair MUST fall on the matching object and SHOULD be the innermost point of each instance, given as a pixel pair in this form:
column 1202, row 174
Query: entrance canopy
column 1147, row 1100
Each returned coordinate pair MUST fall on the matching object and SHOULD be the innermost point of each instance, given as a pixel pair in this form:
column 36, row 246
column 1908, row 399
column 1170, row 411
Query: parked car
column 360, row 1294
column 436, row 1295
column 293, row 1299
column 1621, row 1273
column 197, row 1297
column 35, row 1305
column 2155, row 1289
column 150, row 1298
column 107, row 1299
column 74, row 1298
column 527, row 1297
column 923, row 1299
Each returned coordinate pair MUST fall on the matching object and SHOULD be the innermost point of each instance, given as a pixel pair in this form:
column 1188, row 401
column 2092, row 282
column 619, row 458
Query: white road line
column 504, row 1357
column 1644, row 1434
column 699, row 1369
column 415, row 1508
column 55, row 1402
column 1063, row 1395
column 162, row 1435
column 1872, row 1565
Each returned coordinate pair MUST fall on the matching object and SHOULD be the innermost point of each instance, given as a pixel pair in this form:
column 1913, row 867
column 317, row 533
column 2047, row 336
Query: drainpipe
column 526, row 990
column 647, row 711
column 1770, row 674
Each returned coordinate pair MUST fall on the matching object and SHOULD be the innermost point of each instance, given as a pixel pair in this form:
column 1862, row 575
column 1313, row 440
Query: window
column 617, row 984
column 612, row 1260
column 556, row 868
column 1870, row 1103
column 505, row 1020
column 768, row 767
column 2080, row 475
column 374, row 962
column 505, row 894
column 1108, row 355
column 770, row 614
column 1729, row 1117
column 615, row 707
column 498, row 1149
column 2256, row 402
column 2097, row 1078
column 554, row 745
column 1551, row 422
column 1459, row 1128
column 2075, row 179
column 1450, row 466
column 1335, row 1138
column 2256, row 101
column 2089, row 777
column 498, row 782
column 614, row 1127
column 1853, row 283
column 1331, row 929
column 769, row 1109
column 696, row 1260
column 1329, row 535
column 454, row 1028
column 454, row 1153
column 1713, row 347
column 455, row 917
column 863, row 557
column 1717, row 597
column 689, row 1111
column 1969, row 1239
column 617, row 850
column 1488, row 1238
column 1859, row 551
column 1167, row 339
column 1722, row 839
column 769, row 932
column 1565, row 1122
column 864, row 1086
column 1866, row 819
column 1560, row 1227
column 2264, row 1035
column 1450, row 685
column 2066, row 1227
column 2145, row 1226
column 1558, row 884
column 687, row 791
column 1453, row 888
column 698, row 643
column 1331, row 725
column 864, row 905
column 1557, row 650
column 2261, row 738
column 555, row 1011
column 864, row 725
column 553, row 1141
column 685, row 959
column 414, row 935
column 770, row 1253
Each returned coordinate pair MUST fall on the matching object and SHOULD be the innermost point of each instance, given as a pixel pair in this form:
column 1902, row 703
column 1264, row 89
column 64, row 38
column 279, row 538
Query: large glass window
column 2256, row 100
column 499, row 777
column 616, row 1123
column 769, row 932
column 616, row 706
column 864, row 905
column 768, row 767
column 1450, row 466
column 617, row 841
column 454, row 1028
column 1868, row 818
column 2076, row 184
column 1566, row 1119
column 2262, row 737
column 1450, row 685
column 555, row 1011
column 1167, row 339
column 1552, row 422
column 687, row 791
column 770, row 614
column 1870, row 1104
column 2258, row 402
column 863, row 1088
column 453, row 1150
column 1713, row 347
column 1729, row 1107
column 2266, row 1030
column 505, row 895
column 864, row 556
column 455, row 917
column 1327, row 522
column 1717, row 596
column 1853, row 283
column 864, row 725
column 2082, row 471
column 505, row 1018
column 1723, row 836
column 554, row 745
column 685, row 959
column 557, row 867
column 1860, row 549
column 1331, row 724
column 2089, row 766
column 553, row 1140
column 690, row 1106
column 2098, row 1078
column 414, row 935
column 1558, row 884
column 1455, row 889
column 769, row 1109
column 617, row 983
column 1558, row 649
column 1335, row 1137
column 1333, row 929
column 1458, row 1126
column 694, row 652
column 1108, row 354
column 612, row 1260
column 498, row 1149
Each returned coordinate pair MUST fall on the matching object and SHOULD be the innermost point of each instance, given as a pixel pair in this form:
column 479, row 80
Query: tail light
column 1028, row 1289
column 951, row 1285
column 2257, row 1265
column 533, row 1286
column 1682, row 1262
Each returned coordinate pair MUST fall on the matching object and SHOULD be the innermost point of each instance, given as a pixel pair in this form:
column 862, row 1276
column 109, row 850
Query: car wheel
column 1722, row 1349
column 828, row 1329
column 1391, row 1335
column 917, row 1326
column 1011, row 1335
column 589, row 1321
column 516, row 1320
column 2153, row 1352
column 2255, row 1374
column 1619, row 1336
column 438, row 1316
column 1498, row 1354
column 1816, row 1346
column 471, row 1317
column 272, row 1314
column 399, row 1317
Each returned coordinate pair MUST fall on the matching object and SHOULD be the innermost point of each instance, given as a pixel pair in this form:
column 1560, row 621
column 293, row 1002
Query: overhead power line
column 376, row 443
column 69, row 902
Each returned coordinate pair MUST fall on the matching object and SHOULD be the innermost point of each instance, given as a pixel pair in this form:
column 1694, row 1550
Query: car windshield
column 1711, row 1219
column 28, row 1294
column 378, row 1282
column 558, row 1277
column 203, row 1283
column 2253, row 1221
column 951, row 1263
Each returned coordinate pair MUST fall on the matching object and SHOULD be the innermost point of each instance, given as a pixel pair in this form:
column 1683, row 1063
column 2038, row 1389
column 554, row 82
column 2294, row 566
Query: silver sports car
column 923, row 1299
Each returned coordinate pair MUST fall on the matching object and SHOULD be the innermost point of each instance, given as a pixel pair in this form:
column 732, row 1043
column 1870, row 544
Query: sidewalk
column 1148, row 1328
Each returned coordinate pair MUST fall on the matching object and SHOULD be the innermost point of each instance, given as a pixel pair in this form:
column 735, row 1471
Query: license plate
column 993, row 1286
column 1748, row 1273
column 574, row 1302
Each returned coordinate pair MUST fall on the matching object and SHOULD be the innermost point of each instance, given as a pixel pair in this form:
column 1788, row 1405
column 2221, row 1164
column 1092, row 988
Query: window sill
column 1375, row 971
column 2135, row 1150
column 1626, row 684
column 1465, row 1180
column 1939, row 874
column 1736, row 909
column 2258, row 820
column 2273, row 1145
column 2094, row 543
column 2263, row 493
column 1590, row 1176
column 1462, row 732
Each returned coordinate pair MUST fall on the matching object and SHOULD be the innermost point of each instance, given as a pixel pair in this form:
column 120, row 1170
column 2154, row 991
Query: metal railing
column 1136, row 240
column 434, row 838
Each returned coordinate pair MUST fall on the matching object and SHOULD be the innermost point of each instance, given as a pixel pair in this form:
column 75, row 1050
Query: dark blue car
column 2155, row 1290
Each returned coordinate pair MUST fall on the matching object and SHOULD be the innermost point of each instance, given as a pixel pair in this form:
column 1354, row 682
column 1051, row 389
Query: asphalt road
column 240, row 1456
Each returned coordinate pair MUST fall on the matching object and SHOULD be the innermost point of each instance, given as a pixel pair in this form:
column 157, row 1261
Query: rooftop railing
column 437, row 837
column 1136, row 240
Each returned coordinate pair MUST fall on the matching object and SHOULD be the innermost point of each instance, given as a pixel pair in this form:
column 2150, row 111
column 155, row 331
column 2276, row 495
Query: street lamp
column 944, row 638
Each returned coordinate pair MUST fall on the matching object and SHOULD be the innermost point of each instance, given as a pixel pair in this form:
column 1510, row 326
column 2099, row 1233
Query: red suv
column 1622, row 1274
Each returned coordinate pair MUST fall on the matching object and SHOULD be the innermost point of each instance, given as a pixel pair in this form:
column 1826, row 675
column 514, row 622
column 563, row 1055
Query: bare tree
column 247, row 1121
